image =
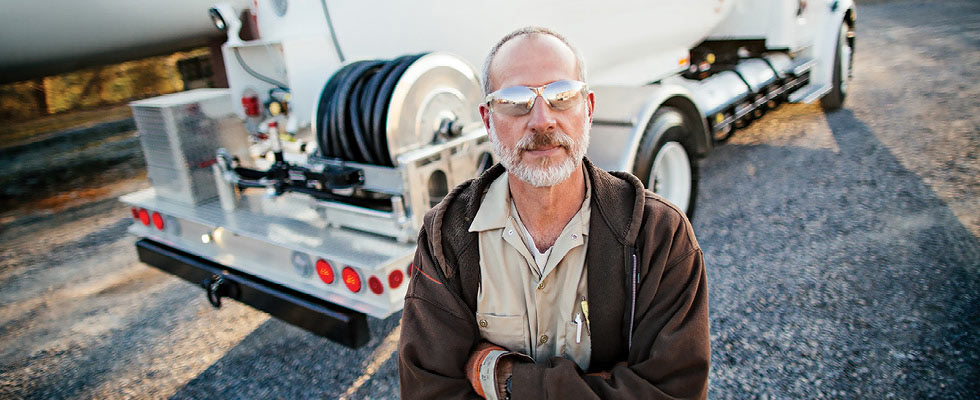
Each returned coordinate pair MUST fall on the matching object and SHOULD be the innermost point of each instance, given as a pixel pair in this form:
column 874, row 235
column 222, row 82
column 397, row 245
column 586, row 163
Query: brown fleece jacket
column 648, row 301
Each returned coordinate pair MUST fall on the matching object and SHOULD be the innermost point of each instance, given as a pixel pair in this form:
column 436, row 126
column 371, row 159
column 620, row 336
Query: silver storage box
column 180, row 134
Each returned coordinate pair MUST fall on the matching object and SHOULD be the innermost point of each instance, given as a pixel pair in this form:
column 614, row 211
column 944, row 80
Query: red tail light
column 158, row 220
column 325, row 270
column 351, row 279
column 395, row 279
column 145, row 217
column 375, row 284
column 136, row 213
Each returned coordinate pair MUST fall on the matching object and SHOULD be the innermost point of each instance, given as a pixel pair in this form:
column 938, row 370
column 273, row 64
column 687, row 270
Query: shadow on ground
column 836, row 274
column 278, row 360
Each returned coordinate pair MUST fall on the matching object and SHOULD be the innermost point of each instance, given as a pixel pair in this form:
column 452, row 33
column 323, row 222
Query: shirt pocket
column 579, row 352
column 508, row 331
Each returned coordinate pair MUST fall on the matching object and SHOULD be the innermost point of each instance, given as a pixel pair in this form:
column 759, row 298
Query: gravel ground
column 81, row 161
column 842, row 248
column 842, row 251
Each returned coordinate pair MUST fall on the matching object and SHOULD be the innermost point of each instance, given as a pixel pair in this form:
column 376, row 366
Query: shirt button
column 510, row 232
column 574, row 236
column 483, row 323
column 541, row 286
column 544, row 339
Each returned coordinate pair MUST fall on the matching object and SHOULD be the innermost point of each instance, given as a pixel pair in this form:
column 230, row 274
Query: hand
column 473, row 367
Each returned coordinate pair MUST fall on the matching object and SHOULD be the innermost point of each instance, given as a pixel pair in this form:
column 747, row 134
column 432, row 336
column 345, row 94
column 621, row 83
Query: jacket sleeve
column 437, row 334
column 669, row 357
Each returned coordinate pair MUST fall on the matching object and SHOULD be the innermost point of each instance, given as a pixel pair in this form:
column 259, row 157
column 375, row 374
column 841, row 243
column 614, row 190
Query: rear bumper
column 320, row 317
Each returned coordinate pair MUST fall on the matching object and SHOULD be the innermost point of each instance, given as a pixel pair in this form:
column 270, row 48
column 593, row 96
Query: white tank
column 51, row 36
column 624, row 42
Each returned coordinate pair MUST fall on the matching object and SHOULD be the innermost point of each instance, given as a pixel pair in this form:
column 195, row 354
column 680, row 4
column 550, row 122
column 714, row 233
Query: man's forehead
column 533, row 59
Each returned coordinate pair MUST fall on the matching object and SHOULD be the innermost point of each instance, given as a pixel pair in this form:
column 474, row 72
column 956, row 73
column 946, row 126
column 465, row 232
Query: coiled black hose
column 351, row 116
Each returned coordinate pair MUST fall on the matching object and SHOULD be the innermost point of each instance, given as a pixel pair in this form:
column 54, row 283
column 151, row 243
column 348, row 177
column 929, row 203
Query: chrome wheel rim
column 671, row 175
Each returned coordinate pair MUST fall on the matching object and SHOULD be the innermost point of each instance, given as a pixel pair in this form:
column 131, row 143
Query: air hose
column 351, row 117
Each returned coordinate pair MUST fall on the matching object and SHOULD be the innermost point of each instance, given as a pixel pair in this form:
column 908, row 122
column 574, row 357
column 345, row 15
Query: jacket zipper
column 635, row 278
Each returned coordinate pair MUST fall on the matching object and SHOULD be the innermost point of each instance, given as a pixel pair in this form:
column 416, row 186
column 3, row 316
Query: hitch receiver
column 322, row 318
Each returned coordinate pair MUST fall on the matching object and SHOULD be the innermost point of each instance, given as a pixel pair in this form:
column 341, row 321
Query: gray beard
column 541, row 175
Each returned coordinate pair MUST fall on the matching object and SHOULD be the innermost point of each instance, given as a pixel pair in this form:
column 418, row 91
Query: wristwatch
column 508, row 387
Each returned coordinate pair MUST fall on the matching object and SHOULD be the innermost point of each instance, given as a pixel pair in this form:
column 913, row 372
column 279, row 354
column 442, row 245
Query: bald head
column 513, row 50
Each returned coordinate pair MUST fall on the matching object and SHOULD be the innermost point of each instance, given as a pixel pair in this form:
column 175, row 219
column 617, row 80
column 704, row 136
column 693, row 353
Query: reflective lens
column 518, row 100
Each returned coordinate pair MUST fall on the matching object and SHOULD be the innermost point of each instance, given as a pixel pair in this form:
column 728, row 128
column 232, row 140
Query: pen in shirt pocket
column 585, row 311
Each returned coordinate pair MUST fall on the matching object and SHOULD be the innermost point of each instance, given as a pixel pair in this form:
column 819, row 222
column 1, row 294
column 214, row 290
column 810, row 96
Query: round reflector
column 395, row 279
column 158, row 220
column 325, row 270
column 145, row 217
column 351, row 279
column 302, row 263
column 136, row 213
column 375, row 284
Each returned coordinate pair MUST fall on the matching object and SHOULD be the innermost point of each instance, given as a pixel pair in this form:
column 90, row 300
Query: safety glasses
column 518, row 100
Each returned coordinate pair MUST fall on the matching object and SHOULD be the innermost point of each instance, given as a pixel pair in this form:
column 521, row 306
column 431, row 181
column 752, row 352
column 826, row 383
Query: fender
column 622, row 114
column 825, row 44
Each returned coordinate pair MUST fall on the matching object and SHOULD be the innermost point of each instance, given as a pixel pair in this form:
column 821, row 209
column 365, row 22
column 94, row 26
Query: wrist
column 475, row 365
column 491, row 378
column 504, row 375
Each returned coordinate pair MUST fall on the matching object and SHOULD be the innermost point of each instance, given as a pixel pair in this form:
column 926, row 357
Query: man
column 547, row 277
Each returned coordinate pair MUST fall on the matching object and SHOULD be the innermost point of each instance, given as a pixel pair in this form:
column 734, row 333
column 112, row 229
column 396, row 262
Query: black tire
column 835, row 99
column 667, row 126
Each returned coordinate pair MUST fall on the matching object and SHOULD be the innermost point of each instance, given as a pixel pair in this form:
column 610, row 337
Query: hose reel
column 374, row 110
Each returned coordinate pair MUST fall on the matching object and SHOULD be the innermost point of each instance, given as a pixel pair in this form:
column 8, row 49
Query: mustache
column 542, row 140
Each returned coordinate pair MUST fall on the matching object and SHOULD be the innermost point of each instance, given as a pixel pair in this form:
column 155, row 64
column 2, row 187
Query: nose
column 542, row 117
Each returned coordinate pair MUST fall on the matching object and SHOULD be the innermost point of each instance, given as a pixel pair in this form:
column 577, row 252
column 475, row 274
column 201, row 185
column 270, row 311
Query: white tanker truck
column 301, row 188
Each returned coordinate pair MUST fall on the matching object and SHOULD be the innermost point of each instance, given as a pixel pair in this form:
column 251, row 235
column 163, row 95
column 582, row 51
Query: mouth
column 544, row 150
column 545, row 146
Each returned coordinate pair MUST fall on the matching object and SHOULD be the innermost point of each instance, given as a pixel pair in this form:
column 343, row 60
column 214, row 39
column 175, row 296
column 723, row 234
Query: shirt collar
column 498, row 198
column 495, row 207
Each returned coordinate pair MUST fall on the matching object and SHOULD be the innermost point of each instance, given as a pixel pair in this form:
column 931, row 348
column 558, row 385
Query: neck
column 546, row 210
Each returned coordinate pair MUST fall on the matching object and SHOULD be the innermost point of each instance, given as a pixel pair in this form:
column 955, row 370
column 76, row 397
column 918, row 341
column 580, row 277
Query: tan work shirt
column 524, row 306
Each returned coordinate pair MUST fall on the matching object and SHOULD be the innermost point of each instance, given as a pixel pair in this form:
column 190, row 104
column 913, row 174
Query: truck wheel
column 842, row 65
column 665, row 161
